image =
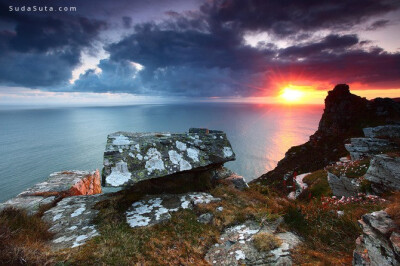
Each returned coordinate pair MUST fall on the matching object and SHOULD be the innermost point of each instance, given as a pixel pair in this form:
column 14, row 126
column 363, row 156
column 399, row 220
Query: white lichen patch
column 121, row 140
column 177, row 159
column 79, row 240
column 138, row 221
column 155, row 161
column 193, row 154
column 154, row 210
column 139, row 156
column 119, row 174
column 174, row 157
column 78, row 211
column 239, row 255
column 57, row 216
column 196, row 198
column 63, row 239
column 185, row 203
column 184, row 165
column 180, row 145
column 153, row 207
column 227, row 152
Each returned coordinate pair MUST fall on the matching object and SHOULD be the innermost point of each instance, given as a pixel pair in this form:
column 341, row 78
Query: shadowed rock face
column 345, row 115
column 133, row 157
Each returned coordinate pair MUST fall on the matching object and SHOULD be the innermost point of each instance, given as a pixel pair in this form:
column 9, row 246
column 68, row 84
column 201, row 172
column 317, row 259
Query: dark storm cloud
column 367, row 67
column 42, row 51
column 379, row 24
column 200, row 52
column 331, row 43
column 285, row 17
column 186, row 62
column 204, row 54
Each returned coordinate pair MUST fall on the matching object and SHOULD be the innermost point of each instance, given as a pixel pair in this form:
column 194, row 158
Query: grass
column 328, row 239
column 394, row 208
column 317, row 185
column 266, row 242
column 181, row 240
column 23, row 239
column 324, row 230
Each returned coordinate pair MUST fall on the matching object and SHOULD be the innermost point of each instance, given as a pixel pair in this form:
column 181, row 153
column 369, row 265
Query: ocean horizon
column 38, row 141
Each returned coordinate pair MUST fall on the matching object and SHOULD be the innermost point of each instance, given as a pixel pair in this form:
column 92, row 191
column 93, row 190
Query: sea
column 35, row 142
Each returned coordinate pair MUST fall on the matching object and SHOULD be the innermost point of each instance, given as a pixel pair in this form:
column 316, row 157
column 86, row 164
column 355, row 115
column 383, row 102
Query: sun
column 291, row 95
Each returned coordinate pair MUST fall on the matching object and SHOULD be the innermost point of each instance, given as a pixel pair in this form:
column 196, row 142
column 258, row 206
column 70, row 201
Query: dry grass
column 393, row 208
column 239, row 206
column 181, row 240
column 303, row 255
column 266, row 241
column 317, row 185
column 23, row 239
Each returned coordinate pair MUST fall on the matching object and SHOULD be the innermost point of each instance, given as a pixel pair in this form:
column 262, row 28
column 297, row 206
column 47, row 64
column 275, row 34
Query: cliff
column 344, row 117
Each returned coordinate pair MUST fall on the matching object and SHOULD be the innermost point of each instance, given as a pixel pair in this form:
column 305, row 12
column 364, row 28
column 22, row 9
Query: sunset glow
column 291, row 95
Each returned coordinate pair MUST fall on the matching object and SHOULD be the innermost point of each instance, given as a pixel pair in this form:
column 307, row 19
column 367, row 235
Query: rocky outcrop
column 384, row 173
column 71, row 221
column 223, row 173
column 57, row 186
column 236, row 247
column 343, row 186
column 156, row 209
column 379, row 244
column 344, row 117
column 367, row 147
column 133, row 157
column 387, row 131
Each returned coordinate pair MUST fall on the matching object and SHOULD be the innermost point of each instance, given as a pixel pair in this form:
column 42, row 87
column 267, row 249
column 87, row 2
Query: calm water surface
column 35, row 143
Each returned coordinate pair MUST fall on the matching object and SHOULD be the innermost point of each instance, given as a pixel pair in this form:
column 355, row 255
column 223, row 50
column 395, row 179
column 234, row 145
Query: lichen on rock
column 133, row 157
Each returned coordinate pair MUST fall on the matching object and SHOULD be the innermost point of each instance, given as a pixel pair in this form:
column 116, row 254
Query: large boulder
column 133, row 157
column 379, row 244
column 343, row 186
column 58, row 185
column 384, row 173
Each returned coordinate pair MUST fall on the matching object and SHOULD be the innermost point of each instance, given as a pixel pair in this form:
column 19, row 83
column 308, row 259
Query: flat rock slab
column 236, row 246
column 156, row 209
column 387, row 131
column 59, row 184
column 71, row 220
column 366, row 147
column 133, row 157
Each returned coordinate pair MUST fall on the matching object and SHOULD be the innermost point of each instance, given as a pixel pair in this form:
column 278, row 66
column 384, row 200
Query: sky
column 135, row 51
